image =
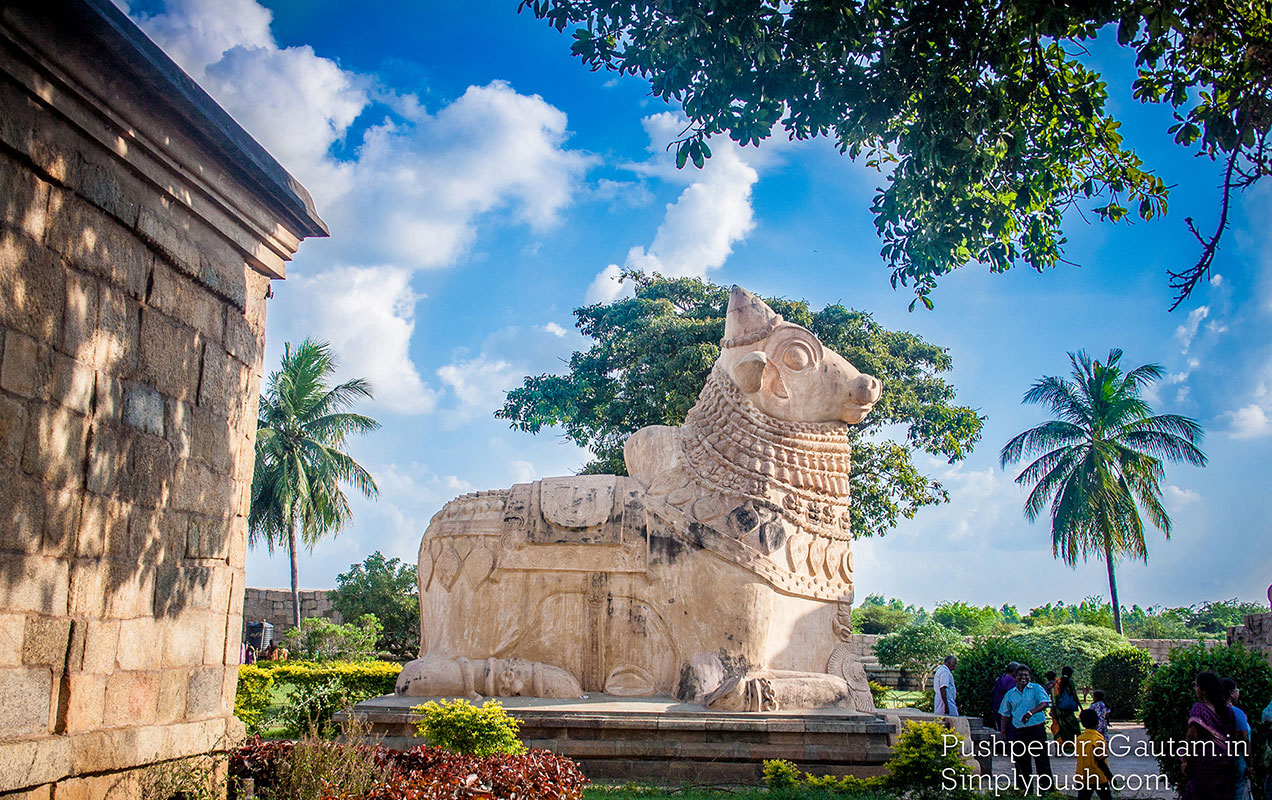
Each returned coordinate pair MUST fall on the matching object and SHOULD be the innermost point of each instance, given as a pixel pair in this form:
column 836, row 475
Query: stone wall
column 1256, row 633
column 275, row 607
column 139, row 230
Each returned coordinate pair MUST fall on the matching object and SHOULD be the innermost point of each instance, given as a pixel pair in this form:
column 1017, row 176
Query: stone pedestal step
column 660, row 740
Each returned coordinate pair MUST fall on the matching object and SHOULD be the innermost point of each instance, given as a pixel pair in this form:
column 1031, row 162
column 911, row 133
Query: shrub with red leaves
column 258, row 760
column 430, row 773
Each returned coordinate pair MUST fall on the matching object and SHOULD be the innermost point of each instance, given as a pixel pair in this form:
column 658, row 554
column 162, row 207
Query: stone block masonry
column 140, row 228
column 275, row 607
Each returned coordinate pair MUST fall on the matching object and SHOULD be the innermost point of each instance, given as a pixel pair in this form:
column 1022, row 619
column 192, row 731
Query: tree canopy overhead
column 652, row 355
column 984, row 113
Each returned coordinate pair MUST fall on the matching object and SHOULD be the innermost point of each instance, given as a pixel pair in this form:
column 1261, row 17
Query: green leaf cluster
column 918, row 648
column 984, row 120
column 967, row 619
column 320, row 639
column 651, row 356
column 1168, row 696
column 1077, row 646
column 314, row 689
column 461, row 727
column 1121, row 675
column 387, row 588
column 925, row 756
column 980, row 667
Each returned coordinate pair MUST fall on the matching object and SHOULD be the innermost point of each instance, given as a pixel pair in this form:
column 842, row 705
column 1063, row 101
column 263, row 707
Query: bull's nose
column 868, row 389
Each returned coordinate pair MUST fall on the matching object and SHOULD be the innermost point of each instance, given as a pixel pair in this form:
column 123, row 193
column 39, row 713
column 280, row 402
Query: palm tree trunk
column 295, row 571
column 1117, row 609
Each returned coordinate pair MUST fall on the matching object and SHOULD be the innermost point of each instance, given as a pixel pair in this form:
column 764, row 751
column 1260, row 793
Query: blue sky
column 480, row 184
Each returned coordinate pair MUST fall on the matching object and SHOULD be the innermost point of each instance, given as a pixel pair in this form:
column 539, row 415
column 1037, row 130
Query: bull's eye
column 797, row 356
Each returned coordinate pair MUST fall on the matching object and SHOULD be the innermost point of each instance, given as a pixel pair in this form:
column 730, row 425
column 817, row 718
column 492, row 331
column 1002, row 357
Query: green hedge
column 1121, row 675
column 357, row 678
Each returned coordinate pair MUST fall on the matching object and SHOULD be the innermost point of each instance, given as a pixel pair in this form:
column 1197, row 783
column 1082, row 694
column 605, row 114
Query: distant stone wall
column 137, row 243
column 1160, row 649
column 1256, row 633
column 275, row 607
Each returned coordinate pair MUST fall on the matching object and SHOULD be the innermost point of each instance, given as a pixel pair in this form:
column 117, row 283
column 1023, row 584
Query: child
column 1102, row 710
column 1092, row 772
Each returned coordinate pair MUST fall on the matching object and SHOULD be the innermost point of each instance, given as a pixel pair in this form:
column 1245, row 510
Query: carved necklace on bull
column 799, row 468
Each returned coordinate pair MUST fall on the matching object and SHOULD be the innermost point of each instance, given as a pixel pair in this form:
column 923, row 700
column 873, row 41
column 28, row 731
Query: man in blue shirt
column 1022, row 710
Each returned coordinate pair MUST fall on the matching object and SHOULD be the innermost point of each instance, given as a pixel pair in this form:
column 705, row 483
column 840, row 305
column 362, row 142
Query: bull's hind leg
column 435, row 676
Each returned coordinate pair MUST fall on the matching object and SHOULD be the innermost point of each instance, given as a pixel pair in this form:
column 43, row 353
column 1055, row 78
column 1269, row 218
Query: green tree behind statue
column 1101, row 461
column 652, row 355
column 302, row 424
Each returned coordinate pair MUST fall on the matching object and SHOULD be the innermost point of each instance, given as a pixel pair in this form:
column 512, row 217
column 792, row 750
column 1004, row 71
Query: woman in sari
column 1209, row 771
column 1065, row 708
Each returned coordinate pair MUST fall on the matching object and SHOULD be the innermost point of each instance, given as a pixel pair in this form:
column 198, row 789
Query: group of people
column 1214, row 764
column 271, row 653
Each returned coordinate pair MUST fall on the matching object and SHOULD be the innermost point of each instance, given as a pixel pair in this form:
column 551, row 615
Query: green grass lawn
column 895, row 698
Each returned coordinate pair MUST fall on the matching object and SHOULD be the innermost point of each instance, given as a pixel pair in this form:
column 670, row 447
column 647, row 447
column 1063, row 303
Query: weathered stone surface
column 140, row 646
column 143, row 409
column 730, row 541
column 55, row 445
column 84, row 701
column 34, row 583
column 122, row 253
column 72, row 384
column 30, row 762
column 12, row 631
column 27, row 693
column 169, row 355
column 204, row 693
column 94, row 242
column 33, row 283
column 22, row 370
column 172, row 695
column 25, row 198
column 79, row 340
column 93, row 645
column 44, row 641
column 132, row 698
column 117, row 341
column 12, row 429
column 179, row 298
column 21, row 515
column 62, row 509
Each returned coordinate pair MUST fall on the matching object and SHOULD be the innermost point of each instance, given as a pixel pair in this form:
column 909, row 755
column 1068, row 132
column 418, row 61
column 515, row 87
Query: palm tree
column 1100, row 463
column 301, row 425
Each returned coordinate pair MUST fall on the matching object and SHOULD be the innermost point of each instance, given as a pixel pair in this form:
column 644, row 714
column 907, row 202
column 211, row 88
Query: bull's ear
column 749, row 372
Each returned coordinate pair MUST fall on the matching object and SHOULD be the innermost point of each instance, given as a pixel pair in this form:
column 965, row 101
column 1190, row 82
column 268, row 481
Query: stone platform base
column 663, row 741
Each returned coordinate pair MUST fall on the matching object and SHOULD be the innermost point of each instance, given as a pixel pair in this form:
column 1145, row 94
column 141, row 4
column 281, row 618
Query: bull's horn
column 748, row 320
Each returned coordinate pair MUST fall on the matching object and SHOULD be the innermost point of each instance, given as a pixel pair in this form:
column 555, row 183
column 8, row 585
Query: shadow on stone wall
column 126, row 399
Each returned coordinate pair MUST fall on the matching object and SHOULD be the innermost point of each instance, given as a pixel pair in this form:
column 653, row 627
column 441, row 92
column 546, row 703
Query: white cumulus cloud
column 1249, row 422
column 1186, row 332
column 368, row 315
column 479, row 384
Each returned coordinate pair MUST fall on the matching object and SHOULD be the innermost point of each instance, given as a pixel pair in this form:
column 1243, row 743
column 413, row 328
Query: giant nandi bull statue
column 720, row 572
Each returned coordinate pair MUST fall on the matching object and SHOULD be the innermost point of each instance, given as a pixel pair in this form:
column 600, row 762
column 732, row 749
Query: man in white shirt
column 943, row 686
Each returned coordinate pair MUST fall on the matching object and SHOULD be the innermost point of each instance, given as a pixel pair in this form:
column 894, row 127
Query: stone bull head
column 785, row 371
